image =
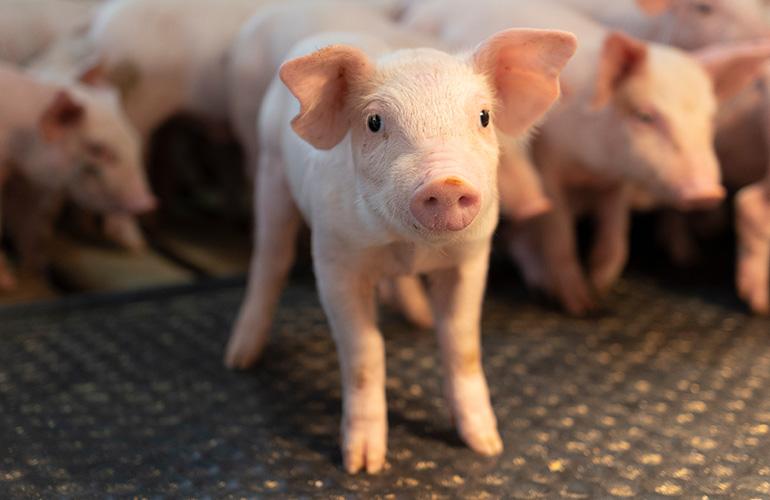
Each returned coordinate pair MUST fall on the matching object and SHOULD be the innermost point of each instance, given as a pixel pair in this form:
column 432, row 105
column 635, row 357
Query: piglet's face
column 424, row 144
column 693, row 24
column 422, row 123
column 661, row 106
column 102, row 152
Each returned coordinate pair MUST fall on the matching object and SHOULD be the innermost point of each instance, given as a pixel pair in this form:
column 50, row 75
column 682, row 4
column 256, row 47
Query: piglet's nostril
column 431, row 201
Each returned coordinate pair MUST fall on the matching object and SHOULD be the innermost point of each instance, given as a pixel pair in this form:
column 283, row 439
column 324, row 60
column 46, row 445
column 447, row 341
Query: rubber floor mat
column 667, row 395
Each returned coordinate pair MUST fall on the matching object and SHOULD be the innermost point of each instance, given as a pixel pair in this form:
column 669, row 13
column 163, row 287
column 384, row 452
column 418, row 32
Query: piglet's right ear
column 524, row 66
column 654, row 7
column 60, row 116
column 322, row 82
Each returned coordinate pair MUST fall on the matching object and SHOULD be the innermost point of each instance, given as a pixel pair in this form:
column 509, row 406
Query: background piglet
column 391, row 158
column 59, row 139
column 743, row 135
column 634, row 116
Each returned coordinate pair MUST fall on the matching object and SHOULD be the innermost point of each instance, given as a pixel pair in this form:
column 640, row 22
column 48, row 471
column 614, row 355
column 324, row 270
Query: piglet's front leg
column 457, row 295
column 565, row 276
column 609, row 253
column 348, row 298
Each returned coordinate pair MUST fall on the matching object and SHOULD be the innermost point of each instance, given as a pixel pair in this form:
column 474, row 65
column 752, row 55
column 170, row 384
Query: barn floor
column 667, row 394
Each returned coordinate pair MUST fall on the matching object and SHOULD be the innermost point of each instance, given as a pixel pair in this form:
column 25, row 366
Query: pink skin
column 68, row 139
column 354, row 186
column 635, row 118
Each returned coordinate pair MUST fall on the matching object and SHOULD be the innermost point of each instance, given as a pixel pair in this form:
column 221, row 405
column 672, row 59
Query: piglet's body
column 391, row 158
column 634, row 117
column 29, row 27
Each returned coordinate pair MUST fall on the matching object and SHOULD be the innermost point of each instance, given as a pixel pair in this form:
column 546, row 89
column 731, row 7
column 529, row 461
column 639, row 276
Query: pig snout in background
column 391, row 158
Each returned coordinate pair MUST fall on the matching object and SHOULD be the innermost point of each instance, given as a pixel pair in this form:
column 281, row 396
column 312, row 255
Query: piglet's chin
column 445, row 204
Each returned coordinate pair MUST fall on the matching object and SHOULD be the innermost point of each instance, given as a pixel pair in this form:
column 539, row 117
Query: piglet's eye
column 484, row 118
column 703, row 8
column 374, row 123
column 646, row 117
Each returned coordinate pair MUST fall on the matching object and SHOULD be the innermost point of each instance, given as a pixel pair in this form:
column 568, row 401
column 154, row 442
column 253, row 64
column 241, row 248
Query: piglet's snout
column 701, row 197
column 446, row 204
column 140, row 203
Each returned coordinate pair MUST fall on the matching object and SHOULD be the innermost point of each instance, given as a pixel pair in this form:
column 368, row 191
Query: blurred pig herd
column 665, row 106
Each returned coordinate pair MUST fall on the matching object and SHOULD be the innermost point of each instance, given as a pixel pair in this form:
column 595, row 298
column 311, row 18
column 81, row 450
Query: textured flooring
column 667, row 395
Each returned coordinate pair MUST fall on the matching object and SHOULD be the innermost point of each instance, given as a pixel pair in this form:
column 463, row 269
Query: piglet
column 69, row 139
column 391, row 157
column 743, row 122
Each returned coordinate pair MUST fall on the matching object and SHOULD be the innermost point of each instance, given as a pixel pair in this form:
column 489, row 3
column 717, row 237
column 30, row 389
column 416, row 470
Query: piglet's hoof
column 364, row 444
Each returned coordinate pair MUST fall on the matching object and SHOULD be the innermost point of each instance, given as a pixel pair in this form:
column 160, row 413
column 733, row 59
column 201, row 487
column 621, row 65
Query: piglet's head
column 422, row 123
column 692, row 24
column 659, row 107
column 88, row 131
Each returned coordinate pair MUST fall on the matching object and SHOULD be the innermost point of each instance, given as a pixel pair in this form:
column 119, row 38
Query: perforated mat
column 668, row 395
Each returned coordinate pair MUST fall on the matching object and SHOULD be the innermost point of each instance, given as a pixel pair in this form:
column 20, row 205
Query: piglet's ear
column 622, row 57
column 654, row 7
column 524, row 65
column 322, row 82
column 734, row 66
column 61, row 115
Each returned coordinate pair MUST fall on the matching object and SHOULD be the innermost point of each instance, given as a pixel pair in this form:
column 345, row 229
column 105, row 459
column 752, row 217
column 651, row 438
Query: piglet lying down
column 391, row 158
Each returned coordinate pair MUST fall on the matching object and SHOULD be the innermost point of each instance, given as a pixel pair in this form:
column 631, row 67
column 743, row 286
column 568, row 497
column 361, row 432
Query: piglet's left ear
column 322, row 83
column 734, row 66
column 524, row 66
column 60, row 116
